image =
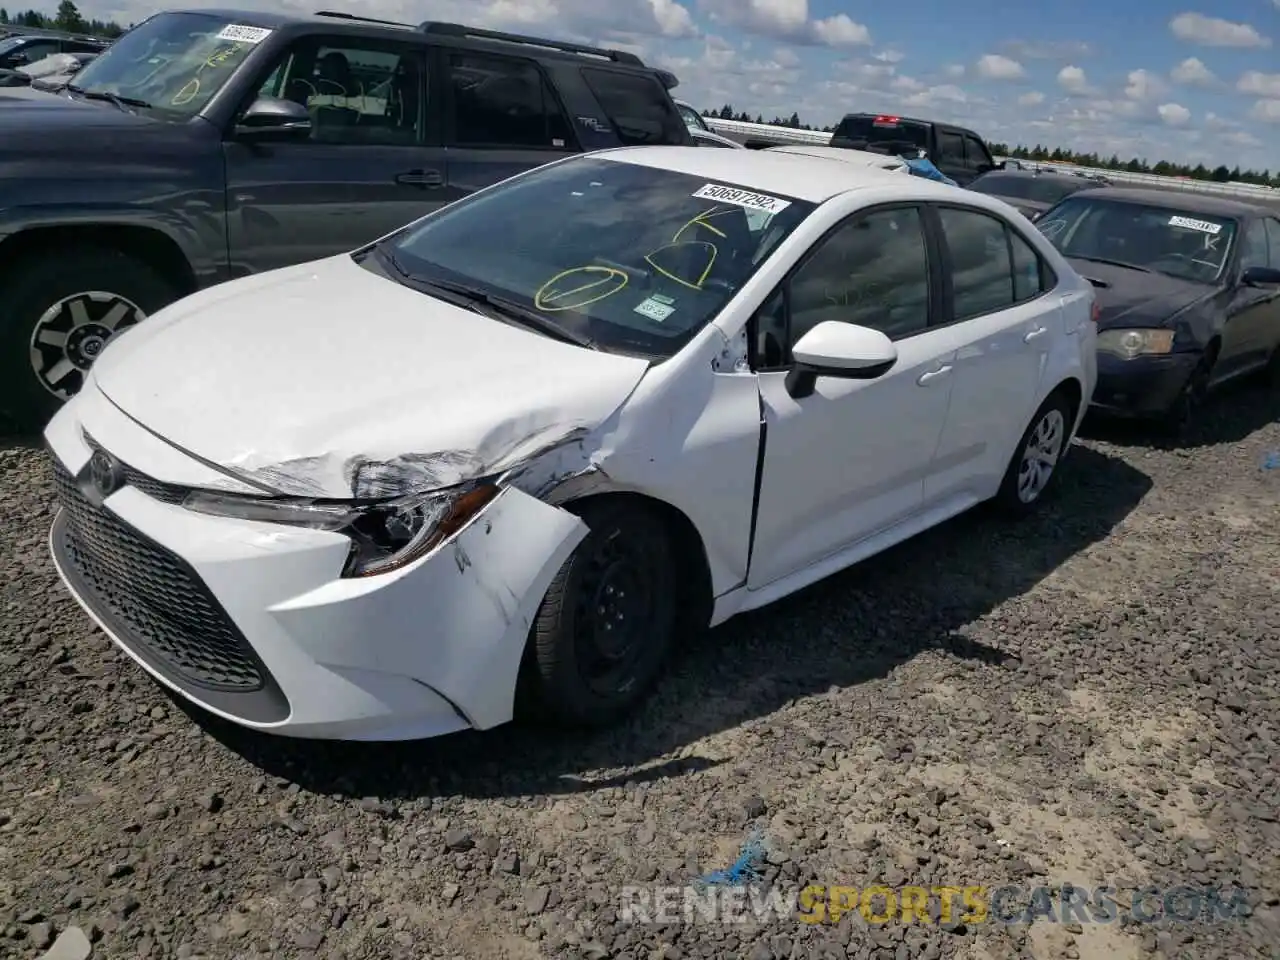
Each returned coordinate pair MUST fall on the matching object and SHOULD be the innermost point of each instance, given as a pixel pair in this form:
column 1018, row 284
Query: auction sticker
column 741, row 198
column 656, row 307
column 237, row 33
column 1204, row 226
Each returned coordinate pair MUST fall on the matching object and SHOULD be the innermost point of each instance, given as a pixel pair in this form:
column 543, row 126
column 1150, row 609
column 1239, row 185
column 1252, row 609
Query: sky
column 1139, row 78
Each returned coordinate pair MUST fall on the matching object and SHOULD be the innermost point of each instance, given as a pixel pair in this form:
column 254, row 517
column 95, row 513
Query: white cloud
column 1174, row 114
column 1258, row 84
column 1213, row 32
column 1031, row 99
column 906, row 84
column 1143, row 85
column 895, row 56
column 1192, row 72
column 784, row 20
column 1266, row 111
column 944, row 93
column 993, row 66
column 1072, row 79
column 954, row 70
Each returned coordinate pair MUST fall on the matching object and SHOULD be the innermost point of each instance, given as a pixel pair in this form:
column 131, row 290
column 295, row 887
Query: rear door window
column 976, row 156
column 950, row 148
column 503, row 102
column 883, row 130
column 637, row 106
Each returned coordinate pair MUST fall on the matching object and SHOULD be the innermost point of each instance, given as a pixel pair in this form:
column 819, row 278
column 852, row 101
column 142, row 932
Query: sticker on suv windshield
column 1204, row 226
column 742, row 198
column 238, row 33
column 656, row 307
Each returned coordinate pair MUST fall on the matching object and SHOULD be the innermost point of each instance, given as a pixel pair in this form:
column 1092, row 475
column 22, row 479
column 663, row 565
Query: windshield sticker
column 1204, row 226
column 741, row 198
column 242, row 34
column 656, row 308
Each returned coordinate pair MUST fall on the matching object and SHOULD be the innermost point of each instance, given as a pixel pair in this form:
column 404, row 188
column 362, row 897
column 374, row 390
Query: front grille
column 153, row 488
column 156, row 599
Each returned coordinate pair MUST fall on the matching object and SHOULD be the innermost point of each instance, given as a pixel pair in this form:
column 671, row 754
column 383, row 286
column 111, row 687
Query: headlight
column 1135, row 343
column 384, row 536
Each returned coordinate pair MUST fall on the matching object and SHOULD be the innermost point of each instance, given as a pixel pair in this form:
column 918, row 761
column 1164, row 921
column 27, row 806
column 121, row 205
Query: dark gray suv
column 207, row 145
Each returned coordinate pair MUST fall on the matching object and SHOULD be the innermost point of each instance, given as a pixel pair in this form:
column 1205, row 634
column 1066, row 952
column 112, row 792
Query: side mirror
column 1260, row 277
column 269, row 117
column 835, row 349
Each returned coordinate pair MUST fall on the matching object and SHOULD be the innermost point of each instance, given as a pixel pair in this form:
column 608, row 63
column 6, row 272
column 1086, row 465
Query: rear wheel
column 1035, row 462
column 58, row 313
column 604, row 628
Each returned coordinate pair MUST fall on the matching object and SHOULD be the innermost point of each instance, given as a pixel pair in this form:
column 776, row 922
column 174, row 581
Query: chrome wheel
column 72, row 333
column 1040, row 455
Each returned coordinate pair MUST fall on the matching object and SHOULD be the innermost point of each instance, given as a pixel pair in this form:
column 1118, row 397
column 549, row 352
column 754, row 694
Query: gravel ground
column 1092, row 696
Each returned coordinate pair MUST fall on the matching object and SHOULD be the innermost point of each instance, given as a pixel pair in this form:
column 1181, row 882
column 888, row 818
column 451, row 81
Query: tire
column 627, row 549
column 1185, row 410
column 57, row 313
column 1024, row 485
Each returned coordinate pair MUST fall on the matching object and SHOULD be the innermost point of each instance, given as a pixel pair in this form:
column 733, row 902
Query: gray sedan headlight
column 1135, row 343
column 385, row 535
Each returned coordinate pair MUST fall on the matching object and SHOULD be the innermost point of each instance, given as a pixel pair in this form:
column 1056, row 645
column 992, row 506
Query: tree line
column 1220, row 174
column 68, row 19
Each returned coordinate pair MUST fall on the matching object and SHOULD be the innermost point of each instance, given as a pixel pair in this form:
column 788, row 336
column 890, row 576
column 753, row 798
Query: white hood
column 302, row 378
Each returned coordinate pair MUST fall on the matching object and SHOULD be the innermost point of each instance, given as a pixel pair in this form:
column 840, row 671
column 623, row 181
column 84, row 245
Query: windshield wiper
column 1113, row 263
column 497, row 308
column 122, row 103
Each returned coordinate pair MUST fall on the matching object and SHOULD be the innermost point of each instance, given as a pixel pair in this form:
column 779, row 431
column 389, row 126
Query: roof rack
column 459, row 30
column 351, row 16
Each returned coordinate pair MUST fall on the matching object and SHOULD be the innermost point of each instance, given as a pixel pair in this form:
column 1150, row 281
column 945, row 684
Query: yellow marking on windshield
column 697, row 285
column 547, row 294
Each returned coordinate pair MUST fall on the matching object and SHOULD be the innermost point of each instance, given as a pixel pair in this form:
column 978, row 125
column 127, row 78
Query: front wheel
column 604, row 628
column 1035, row 461
column 1185, row 410
column 57, row 315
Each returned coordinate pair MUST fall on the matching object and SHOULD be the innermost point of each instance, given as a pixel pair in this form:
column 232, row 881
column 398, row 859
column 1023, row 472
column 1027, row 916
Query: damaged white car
column 526, row 441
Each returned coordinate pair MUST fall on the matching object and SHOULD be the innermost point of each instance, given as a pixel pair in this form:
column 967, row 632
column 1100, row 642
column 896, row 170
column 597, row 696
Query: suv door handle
column 926, row 379
column 1035, row 334
column 427, row 179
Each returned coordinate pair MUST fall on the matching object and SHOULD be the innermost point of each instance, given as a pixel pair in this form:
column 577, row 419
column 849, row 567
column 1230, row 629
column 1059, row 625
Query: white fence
column 767, row 133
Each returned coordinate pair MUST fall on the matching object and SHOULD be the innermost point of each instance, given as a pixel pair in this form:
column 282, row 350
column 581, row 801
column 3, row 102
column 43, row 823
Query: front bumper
column 1141, row 387
column 253, row 622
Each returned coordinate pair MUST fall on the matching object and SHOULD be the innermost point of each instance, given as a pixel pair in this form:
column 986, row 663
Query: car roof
column 814, row 179
column 1205, row 203
column 884, row 161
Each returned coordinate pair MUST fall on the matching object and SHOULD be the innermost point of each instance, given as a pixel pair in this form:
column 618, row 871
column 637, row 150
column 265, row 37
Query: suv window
column 976, row 156
column 872, row 271
column 950, row 147
column 503, row 102
column 38, row 49
column 982, row 265
column 1253, row 246
column 637, row 105
column 865, row 131
column 691, row 118
column 367, row 92
column 81, row 46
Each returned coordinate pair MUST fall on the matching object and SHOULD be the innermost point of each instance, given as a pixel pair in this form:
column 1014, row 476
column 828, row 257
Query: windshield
column 691, row 118
column 1035, row 189
column 9, row 43
column 904, row 135
column 173, row 62
column 1189, row 246
column 633, row 258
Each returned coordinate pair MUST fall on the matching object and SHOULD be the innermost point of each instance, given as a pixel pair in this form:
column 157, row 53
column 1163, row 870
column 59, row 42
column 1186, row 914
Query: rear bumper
column 1143, row 386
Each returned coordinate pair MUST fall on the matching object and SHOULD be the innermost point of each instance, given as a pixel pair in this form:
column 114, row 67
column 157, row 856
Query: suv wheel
column 58, row 314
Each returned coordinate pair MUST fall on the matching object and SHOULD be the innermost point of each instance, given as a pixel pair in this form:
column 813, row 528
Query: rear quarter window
column 637, row 107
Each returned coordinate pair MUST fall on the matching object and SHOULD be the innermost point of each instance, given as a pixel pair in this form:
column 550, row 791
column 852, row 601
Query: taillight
column 1095, row 311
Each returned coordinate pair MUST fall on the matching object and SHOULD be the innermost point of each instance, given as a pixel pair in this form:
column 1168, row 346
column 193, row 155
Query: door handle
column 1035, row 334
column 427, row 179
column 934, row 375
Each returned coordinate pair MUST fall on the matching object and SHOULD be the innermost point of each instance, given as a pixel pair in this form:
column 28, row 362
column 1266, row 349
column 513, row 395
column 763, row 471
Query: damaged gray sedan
column 523, row 443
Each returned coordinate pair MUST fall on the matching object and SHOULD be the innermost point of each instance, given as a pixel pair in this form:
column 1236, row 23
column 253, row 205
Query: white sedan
column 535, row 436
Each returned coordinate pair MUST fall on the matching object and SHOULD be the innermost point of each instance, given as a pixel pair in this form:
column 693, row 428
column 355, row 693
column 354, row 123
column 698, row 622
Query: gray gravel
column 1091, row 696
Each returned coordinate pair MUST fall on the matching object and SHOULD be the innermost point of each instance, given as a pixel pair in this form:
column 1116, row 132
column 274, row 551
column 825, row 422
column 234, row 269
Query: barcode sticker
column 1204, row 226
column 742, row 198
column 238, row 33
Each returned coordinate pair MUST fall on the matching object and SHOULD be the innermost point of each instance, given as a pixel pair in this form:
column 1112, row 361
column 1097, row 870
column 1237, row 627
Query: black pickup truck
column 959, row 153
column 207, row 145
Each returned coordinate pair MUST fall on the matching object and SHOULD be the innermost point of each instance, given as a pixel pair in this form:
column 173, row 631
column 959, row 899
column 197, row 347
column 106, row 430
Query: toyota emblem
column 105, row 472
